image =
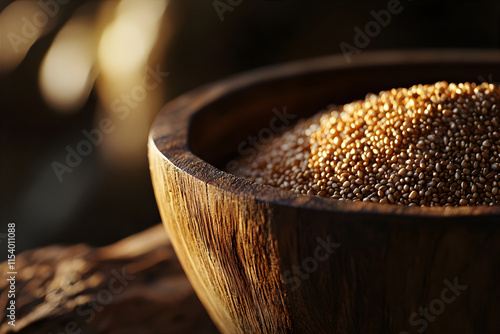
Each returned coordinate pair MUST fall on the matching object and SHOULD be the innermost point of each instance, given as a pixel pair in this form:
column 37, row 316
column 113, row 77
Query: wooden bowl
column 264, row 260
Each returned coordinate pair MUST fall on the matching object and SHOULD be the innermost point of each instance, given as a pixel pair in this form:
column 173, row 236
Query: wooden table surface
column 133, row 286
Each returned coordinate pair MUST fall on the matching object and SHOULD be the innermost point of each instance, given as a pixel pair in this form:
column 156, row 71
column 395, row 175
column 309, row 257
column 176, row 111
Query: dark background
column 109, row 195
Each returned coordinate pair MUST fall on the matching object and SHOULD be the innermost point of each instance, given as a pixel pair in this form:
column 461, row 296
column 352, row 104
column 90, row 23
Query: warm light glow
column 147, row 12
column 124, row 52
column 66, row 75
column 21, row 24
column 127, row 42
column 123, row 47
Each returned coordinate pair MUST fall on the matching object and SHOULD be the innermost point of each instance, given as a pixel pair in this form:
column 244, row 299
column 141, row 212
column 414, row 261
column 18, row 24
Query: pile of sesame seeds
column 427, row 145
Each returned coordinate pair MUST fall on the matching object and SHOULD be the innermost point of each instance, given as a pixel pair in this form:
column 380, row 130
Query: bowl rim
column 169, row 134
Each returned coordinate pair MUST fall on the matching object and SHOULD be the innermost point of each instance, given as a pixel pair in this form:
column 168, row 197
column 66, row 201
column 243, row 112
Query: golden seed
column 427, row 145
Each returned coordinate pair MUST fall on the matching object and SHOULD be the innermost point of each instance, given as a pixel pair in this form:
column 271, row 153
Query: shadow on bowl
column 264, row 260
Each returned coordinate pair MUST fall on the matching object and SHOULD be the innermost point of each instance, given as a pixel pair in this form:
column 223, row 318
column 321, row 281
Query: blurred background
column 81, row 82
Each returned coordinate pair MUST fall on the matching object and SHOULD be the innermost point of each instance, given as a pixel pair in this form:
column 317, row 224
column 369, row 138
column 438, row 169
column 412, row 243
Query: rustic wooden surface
column 75, row 289
column 241, row 243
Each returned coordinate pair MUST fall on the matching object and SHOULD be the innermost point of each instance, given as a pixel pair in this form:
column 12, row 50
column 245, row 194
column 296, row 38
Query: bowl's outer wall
column 261, row 264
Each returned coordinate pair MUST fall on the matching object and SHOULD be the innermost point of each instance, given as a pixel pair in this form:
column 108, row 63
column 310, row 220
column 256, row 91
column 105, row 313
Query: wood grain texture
column 263, row 260
column 76, row 289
